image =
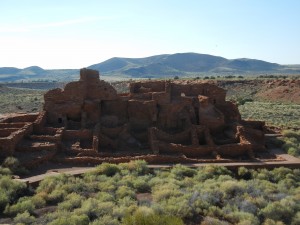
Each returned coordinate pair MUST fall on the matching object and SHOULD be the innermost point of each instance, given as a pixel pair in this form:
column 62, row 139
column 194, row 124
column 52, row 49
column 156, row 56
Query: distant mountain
column 184, row 64
column 35, row 73
column 166, row 65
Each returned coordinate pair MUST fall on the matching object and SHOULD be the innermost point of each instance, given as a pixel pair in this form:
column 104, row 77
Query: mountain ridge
column 179, row 64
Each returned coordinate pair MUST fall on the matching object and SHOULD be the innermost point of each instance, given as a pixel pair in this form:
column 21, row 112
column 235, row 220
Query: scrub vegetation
column 131, row 193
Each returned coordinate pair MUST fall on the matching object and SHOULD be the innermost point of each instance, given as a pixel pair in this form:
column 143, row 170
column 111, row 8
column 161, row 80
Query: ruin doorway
column 60, row 120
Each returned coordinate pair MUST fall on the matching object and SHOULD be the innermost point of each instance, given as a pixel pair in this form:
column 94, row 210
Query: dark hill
column 180, row 64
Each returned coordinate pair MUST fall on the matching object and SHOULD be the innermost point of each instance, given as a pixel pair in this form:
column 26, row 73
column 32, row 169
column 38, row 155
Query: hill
column 35, row 73
column 185, row 64
column 166, row 65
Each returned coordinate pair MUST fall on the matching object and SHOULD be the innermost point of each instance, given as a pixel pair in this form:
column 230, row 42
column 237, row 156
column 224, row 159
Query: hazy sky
column 74, row 34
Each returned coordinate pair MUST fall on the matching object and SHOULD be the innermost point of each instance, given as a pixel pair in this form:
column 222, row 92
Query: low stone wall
column 5, row 132
column 188, row 151
column 38, row 161
column 21, row 118
column 8, row 144
column 77, row 134
column 234, row 150
column 12, row 125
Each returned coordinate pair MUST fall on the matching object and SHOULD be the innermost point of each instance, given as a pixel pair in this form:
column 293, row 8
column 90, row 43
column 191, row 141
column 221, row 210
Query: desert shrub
column 24, row 218
column 108, row 185
column 262, row 174
column 14, row 166
column 73, row 219
column 105, row 197
column 107, row 169
column 24, row 204
column 177, row 206
column 244, row 173
column 291, row 142
column 214, row 211
column 105, row 220
column 71, row 202
column 89, row 207
column 179, row 172
column 164, row 192
column 242, row 101
column 11, row 162
column 213, row 221
column 5, row 171
column 233, row 188
column 78, row 185
column 138, row 167
column 124, row 191
column 238, row 217
column 291, row 134
column 147, row 217
column 296, row 219
column 51, row 183
column 94, row 208
column 4, row 200
column 141, row 185
column 282, row 210
column 10, row 190
column 280, row 173
column 211, row 172
column 38, row 201
column 246, row 205
column 272, row 222
column 56, row 196
column 124, row 208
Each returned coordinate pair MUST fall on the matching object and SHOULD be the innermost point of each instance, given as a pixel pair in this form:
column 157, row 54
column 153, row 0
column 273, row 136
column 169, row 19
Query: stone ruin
column 158, row 121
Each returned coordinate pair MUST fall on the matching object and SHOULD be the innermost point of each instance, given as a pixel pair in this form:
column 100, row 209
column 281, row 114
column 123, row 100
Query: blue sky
column 74, row 34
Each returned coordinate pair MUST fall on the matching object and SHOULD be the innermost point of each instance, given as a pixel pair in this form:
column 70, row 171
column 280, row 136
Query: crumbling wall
column 177, row 121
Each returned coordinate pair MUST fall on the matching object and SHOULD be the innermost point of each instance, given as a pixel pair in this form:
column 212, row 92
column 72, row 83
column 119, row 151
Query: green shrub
column 177, row 206
column 56, row 196
column 233, row 188
column 165, row 192
column 72, row 219
column 51, row 183
column 238, row 217
column 272, row 222
column 179, row 172
column 108, row 185
column 150, row 218
column 24, row 218
column 71, row 202
column 5, row 171
column 24, row 204
column 141, row 186
column 282, row 210
column 38, row 201
column 94, row 208
column 211, row 172
column 10, row 190
column 11, row 163
column 244, row 173
column 105, row 197
column 105, row 220
column 107, row 169
column 138, row 167
column 296, row 219
column 213, row 221
column 124, row 191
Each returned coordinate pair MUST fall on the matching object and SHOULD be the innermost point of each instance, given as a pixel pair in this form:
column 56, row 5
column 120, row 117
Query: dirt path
column 289, row 161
